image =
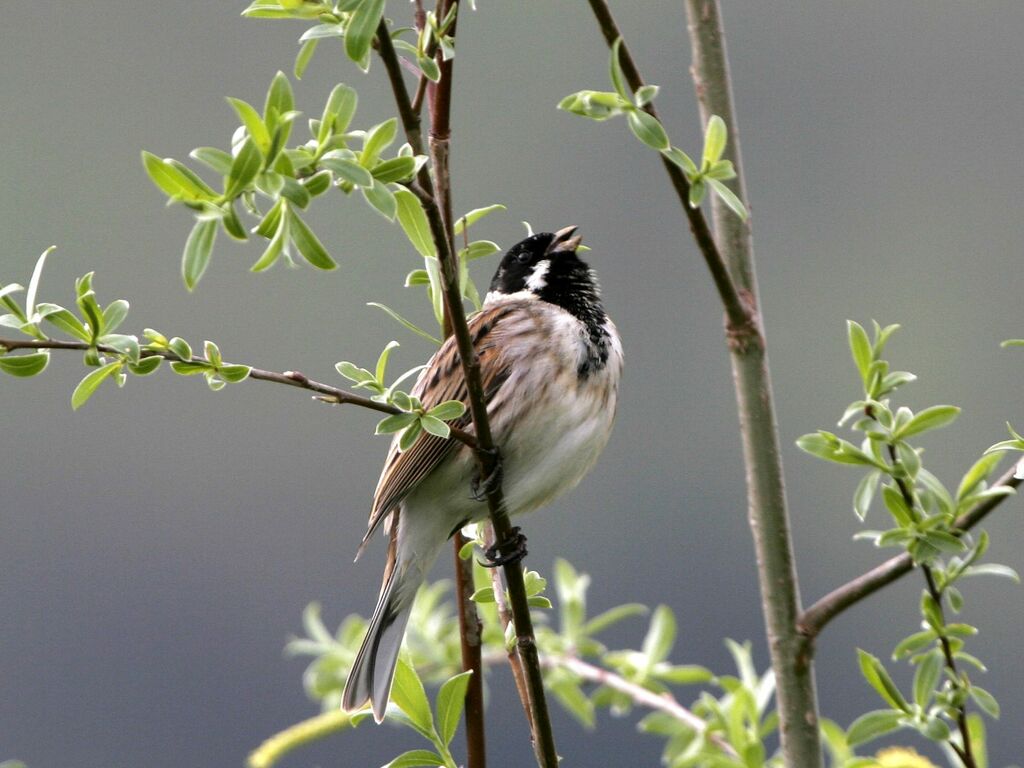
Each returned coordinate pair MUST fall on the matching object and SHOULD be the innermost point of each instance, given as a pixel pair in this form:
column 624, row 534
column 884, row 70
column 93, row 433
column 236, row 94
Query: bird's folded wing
column 441, row 380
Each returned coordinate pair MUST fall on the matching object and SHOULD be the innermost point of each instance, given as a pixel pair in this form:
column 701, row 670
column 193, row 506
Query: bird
column 550, row 362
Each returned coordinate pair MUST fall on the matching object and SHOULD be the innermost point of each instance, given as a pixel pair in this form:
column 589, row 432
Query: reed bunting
column 550, row 360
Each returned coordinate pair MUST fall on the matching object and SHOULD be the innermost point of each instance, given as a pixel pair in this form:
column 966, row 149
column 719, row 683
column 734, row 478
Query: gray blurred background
column 158, row 546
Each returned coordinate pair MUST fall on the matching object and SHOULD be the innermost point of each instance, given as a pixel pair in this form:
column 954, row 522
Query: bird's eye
column 523, row 257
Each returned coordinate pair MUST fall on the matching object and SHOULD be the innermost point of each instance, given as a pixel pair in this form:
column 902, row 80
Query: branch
column 430, row 191
column 742, row 319
column 766, row 497
column 471, row 635
column 814, row 619
column 327, row 393
column 663, row 702
column 277, row 746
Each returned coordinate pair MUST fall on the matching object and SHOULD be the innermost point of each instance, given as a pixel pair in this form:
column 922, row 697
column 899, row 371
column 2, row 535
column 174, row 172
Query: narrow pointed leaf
column 87, row 386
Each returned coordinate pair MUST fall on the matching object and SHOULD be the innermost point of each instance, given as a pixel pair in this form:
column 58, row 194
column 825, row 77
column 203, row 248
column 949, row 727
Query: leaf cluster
column 713, row 171
column 923, row 515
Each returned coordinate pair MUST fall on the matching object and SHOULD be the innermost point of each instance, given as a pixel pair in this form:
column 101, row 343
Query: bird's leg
column 481, row 486
column 512, row 550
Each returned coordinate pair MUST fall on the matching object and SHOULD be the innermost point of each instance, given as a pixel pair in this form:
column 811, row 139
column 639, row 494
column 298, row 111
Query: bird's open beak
column 564, row 240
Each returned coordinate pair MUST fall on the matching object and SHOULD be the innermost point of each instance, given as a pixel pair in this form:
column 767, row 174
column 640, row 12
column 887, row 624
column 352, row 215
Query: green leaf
column 877, row 676
column 377, row 140
column 697, row 191
column 827, row 446
column 381, row 198
column 382, row 360
column 478, row 249
column 408, row 695
column 33, row 283
column 977, row 474
column 395, row 422
column 338, row 112
column 294, row 192
column 448, row 410
column 872, row 725
column 189, row 369
column 429, row 68
column 198, row 248
column 986, row 701
column 715, row 137
column 405, row 323
column 303, row 58
column 24, row 366
column 362, row 26
column 864, row 494
column 65, row 321
column 985, row 569
column 926, row 677
column 125, row 345
column 231, row 223
column 647, row 128
column 395, row 169
column 146, row 365
column 217, row 159
column 613, row 616
column 277, row 243
column 416, row 758
column 683, row 160
column 172, row 181
column 645, row 94
column 615, row 70
column 213, row 354
column 930, row 418
column 244, row 167
column 254, row 124
column 309, row 245
column 348, row 170
column 450, row 701
column 279, row 101
column 728, row 197
column 860, row 348
column 414, row 222
column 435, row 427
column 409, row 436
column 661, row 635
column 87, row 386
column 912, row 644
column 472, row 217
column 114, row 314
column 181, row 348
column 233, row 374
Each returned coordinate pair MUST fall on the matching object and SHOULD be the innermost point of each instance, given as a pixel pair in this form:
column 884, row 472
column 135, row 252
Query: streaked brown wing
column 441, row 380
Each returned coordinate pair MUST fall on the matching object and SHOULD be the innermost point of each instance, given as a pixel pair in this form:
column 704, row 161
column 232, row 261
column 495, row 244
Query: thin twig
column 963, row 750
column 662, row 702
column 766, row 496
column 816, row 618
column 328, row 393
column 471, row 636
column 741, row 318
column 505, row 617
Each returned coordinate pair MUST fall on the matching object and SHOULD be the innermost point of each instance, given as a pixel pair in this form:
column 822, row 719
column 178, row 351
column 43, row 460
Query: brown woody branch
column 326, row 393
column 433, row 194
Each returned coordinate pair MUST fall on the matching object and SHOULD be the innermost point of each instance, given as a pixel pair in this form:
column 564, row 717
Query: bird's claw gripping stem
column 510, row 551
column 481, row 487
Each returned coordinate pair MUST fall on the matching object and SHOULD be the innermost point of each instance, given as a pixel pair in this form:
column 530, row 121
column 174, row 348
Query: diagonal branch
column 326, row 393
column 433, row 194
column 816, row 618
column 741, row 317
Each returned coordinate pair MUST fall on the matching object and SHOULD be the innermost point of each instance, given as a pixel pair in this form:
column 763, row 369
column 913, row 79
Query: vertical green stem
column 766, row 498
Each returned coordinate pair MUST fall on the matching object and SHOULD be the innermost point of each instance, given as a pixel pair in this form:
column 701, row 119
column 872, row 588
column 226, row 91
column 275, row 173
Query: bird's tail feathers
column 374, row 668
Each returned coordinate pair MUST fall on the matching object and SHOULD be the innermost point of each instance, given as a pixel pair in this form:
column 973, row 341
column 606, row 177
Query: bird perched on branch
column 550, row 361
